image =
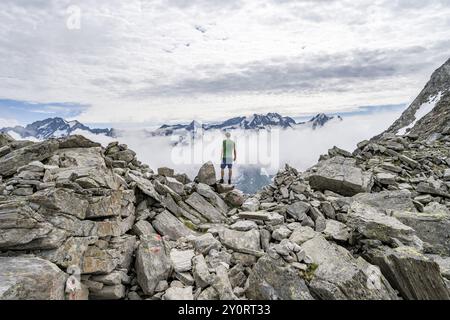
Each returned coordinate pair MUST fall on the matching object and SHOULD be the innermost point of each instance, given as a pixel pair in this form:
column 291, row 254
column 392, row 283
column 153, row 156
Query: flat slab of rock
column 30, row 278
column 369, row 222
column 392, row 200
column 298, row 210
column 431, row 227
column 241, row 241
column 181, row 259
column 168, row 225
column 415, row 276
column 206, row 209
column 209, row 194
column 341, row 175
column 340, row 276
column 145, row 186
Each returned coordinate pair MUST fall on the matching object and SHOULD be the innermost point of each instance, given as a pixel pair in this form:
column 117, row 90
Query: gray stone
column 175, row 185
column 202, row 276
column 443, row 262
column 205, row 243
column 30, row 278
column 302, row 234
column 207, row 210
column 208, row 294
column 386, row 178
column 244, row 225
column 181, row 259
column 166, row 172
column 23, row 156
column 143, row 228
column 235, row 198
column 241, row 241
column 175, row 293
column 76, row 141
column 168, row 225
column 275, row 280
column 62, row 200
column 145, row 186
column 415, row 276
column 342, row 176
column 152, row 264
column 222, row 284
column 336, row 230
column 431, row 227
column 112, row 292
column 251, row 204
column 340, row 276
column 208, row 193
column 281, row 233
column 372, row 224
column 298, row 210
column 207, row 174
column 113, row 278
column 392, row 200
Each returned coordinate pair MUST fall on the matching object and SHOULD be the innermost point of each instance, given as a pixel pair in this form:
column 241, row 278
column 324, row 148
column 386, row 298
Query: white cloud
column 300, row 148
column 153, row 60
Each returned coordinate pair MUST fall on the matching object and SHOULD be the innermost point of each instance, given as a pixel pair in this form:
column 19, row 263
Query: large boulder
column 415, row 276
column 370, row 223
column 272, row 279
column 205, row 208
column 431, row 227
column 340, row 276
column 399, row 200
column 168, row 225
column 30, row 278
column 341, row 175
column 152, row 264
column 207, row 174
column 241, row 241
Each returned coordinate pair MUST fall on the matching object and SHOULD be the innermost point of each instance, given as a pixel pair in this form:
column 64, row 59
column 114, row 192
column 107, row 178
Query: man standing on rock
column 228, row 149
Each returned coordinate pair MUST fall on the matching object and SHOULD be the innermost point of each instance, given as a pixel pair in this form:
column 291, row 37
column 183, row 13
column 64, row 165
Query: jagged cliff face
column 430, row 112
column 78, row 221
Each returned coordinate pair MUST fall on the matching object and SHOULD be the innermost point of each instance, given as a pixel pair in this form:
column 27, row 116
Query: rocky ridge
column 80, row 221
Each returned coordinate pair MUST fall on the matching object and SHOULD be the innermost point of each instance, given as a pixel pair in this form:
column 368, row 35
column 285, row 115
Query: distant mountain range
column 254, row 122
column 54, row 128
column 58, row 127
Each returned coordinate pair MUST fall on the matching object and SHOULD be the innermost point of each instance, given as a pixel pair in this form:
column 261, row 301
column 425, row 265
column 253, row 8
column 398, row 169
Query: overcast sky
column 161, row 60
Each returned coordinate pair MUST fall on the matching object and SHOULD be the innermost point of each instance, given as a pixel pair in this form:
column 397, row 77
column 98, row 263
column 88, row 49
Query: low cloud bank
column 300, row 148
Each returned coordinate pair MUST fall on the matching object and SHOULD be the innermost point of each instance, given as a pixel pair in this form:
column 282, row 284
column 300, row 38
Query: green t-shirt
column 228, row 148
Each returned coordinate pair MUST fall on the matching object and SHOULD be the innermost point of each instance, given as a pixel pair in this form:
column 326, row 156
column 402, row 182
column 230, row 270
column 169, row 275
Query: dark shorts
column 226, row 163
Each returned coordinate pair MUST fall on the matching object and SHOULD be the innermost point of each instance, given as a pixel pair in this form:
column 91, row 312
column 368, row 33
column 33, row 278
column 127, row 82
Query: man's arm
column 235, row 153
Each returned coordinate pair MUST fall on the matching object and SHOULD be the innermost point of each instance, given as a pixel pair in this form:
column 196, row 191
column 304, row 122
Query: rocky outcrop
column 340, row 175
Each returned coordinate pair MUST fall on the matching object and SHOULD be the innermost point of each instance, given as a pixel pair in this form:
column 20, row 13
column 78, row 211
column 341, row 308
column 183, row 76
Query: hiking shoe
column 229, row 181
column 221, row 181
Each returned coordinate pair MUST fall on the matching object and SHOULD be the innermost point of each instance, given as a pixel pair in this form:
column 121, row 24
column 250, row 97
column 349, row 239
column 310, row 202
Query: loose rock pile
column 80, row 221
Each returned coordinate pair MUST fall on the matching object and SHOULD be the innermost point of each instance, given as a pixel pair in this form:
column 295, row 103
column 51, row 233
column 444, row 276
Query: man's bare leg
column 230, row 174
column 222, row 173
